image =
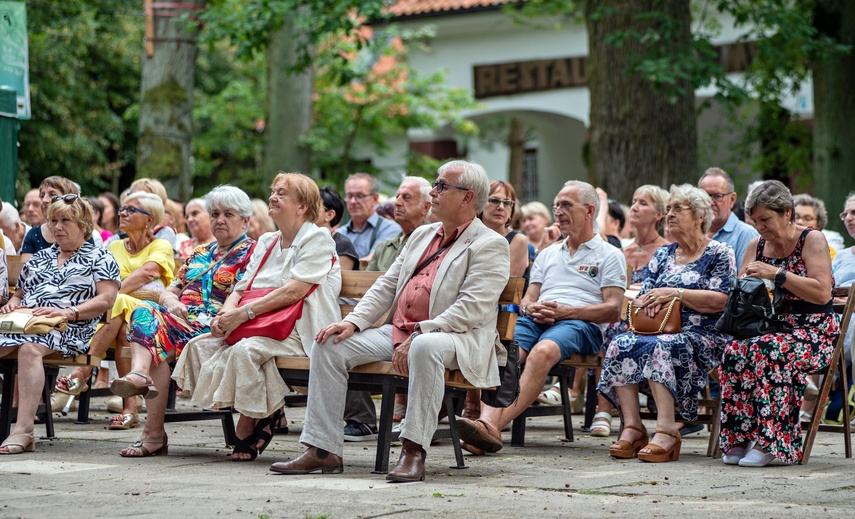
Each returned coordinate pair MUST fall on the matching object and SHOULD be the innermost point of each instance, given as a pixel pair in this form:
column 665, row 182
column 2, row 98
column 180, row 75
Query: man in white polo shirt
column 576, row 289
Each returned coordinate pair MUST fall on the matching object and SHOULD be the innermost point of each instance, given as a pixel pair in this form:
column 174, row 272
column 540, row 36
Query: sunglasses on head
column 68, row 199
column 131, row 210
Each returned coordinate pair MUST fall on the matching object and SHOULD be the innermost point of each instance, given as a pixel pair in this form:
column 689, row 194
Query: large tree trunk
column 834, row 110
column 289, row 107
column 166, row 99
column 638, row 136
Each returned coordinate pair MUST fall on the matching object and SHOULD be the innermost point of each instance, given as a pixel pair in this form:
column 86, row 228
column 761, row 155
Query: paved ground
column 81, row 475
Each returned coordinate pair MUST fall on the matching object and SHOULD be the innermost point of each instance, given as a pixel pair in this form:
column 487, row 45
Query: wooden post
column 149, row 29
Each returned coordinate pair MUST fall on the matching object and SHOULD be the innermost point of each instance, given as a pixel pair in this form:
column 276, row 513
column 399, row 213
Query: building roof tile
column 425, row 7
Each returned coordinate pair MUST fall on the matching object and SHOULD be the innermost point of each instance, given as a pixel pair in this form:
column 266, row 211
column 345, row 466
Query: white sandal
column 551, row 397
column 602, row 425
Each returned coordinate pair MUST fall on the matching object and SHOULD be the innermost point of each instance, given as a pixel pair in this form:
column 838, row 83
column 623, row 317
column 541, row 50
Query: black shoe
column 359, row 432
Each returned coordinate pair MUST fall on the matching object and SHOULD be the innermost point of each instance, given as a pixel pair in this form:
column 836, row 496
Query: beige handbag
column 22, row 321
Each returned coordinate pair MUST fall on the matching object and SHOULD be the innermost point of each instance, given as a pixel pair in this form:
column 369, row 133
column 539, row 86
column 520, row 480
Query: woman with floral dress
column 672, row 367
column 763, row 378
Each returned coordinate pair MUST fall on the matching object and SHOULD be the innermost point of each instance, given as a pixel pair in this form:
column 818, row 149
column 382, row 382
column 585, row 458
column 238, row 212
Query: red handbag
column 277, row 324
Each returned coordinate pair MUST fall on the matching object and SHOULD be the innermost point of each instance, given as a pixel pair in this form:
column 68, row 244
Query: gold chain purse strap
column 664, row 321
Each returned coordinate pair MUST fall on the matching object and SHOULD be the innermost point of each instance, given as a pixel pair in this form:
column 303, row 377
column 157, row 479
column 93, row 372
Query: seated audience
column 366, row 228
column 696, row 271
column 158, row 332
column 726, row 227
column 71, row 278
column 13, row 229
column 576, row 289
column 810, row 212
column 536, row 218
column 290, row 263
column 146, row 268
column 763, row 377
column 330, row 218
column 441, row 298
column 110, row 216
column 32, row 213
column 261, row 222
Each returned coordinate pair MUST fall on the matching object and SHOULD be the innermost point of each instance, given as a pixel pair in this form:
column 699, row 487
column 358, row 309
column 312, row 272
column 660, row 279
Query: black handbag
column 752, row 309
column 509, row 375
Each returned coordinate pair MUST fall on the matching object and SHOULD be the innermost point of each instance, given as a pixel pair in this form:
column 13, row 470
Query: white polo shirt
column 578, row 280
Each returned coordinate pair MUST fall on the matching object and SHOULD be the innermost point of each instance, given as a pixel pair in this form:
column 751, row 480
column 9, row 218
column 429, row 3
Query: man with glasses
column 726, row 227
column 440, row 296
column 366, row 228
column 32, row 212
column 575, row 291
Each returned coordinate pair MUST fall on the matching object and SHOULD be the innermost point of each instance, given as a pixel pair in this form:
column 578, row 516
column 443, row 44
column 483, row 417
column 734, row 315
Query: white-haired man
column 441, row 296
column 575, row 290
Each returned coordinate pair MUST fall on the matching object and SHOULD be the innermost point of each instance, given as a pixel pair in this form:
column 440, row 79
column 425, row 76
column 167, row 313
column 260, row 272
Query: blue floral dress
column 679, row 361
column 763, row 378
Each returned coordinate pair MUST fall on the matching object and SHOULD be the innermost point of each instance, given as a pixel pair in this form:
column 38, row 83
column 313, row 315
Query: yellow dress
column 159, row 251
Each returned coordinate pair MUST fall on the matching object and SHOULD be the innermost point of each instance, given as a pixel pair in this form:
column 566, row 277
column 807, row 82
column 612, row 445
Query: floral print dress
column 204, row 290
column 679, row 361
column 763, row 378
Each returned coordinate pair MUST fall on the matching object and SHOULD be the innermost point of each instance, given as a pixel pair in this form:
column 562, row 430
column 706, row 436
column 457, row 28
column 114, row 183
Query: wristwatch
column 413, row 336
column 781, row 277
column 680, row 293
column 249, row 313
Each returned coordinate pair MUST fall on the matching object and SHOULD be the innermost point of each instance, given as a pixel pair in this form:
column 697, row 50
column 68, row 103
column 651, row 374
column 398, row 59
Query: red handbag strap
column 266, row 255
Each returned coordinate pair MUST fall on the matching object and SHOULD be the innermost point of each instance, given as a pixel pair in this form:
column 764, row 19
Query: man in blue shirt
column 366, row 228
column 726, row 227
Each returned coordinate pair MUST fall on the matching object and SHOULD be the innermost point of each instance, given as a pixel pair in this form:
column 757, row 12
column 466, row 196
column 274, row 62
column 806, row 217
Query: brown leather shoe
column 411, row 464
column 313, row 460
column 480, row 434
column 468, row 447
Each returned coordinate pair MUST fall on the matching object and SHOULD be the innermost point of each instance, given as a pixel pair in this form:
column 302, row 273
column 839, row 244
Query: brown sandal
column 126, row 389
column 624, row 450
column 656, row 454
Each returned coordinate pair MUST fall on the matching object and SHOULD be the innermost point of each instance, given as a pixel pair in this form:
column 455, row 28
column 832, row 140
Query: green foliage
column 372, row 95
column 228, row 108
column 84, row 79
column 248, row 24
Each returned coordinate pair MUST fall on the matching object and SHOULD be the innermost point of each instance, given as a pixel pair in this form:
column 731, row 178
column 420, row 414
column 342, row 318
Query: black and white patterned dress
column 45, row 284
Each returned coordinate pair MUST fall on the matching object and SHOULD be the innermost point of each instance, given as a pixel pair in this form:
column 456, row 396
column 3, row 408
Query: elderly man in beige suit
column 441, row 296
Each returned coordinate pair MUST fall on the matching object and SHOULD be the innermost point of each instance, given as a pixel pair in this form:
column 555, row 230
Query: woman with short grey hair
column 695, row 199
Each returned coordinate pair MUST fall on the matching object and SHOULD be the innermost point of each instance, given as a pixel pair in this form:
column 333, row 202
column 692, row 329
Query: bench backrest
column 355, row 283
column 14, row 265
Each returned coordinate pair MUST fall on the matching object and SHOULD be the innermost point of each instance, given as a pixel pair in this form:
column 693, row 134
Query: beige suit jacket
column 463, row 299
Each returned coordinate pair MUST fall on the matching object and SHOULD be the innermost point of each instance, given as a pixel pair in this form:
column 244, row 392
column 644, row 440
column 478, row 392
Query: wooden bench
column 381, row 377
column 9, row 368
column 565, row 372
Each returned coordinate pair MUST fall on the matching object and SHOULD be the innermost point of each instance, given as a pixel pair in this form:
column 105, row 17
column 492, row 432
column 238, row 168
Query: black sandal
column 266, row 428
column 281, row 425
column 246, row 446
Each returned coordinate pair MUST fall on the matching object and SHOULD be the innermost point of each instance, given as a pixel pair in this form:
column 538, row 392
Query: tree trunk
column 638, row 136
column 289, row 107
column 516, row 144
column 166, row 100
column 834, row 110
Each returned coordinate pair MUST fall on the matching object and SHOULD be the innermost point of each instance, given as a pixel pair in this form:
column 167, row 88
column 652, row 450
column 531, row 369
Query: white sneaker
column 756, row 458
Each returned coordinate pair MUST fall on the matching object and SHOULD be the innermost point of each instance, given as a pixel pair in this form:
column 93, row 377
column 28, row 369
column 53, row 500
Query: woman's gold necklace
column 679, row 253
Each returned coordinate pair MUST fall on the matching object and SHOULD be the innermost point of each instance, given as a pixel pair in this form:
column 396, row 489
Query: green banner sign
column 14, row 62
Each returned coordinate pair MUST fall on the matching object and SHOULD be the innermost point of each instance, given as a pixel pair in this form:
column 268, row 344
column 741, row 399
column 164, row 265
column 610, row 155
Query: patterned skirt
column 763, row 381
column 152, row 326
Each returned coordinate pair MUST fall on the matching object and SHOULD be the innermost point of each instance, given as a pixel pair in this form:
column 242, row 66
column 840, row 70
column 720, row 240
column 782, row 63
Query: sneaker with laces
column 359, row 432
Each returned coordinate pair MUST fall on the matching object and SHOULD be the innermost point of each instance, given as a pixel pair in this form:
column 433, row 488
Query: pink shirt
column 414, row 303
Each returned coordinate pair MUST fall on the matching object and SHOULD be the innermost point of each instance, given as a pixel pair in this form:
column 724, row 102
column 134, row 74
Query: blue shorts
column 571, row 336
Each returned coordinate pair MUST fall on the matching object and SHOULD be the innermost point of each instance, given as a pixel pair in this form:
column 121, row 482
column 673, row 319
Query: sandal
column 624, row 450
column 399, row 413
column 18, row 443
column 124, row 421
column 70, row 386
column 126, row 389
column 281, row 425
column 137, row 449
column 551, row 397
column 265, row 429
column 602, row 425
column 246, row 446
column 656, row 454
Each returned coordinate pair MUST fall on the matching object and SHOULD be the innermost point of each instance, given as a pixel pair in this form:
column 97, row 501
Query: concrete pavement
column 81, row 475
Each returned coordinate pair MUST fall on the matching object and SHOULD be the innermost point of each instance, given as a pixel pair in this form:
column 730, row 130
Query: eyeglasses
column 356, row 196
column 496, row 202
column 675, row 208
column 805, row 218
column 846, row 214
column 718, row 197
column 441, row 186
column 129, row 210
column 68, row 199
column 564, row 206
